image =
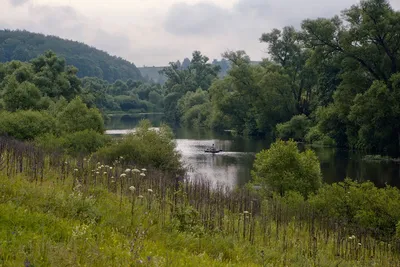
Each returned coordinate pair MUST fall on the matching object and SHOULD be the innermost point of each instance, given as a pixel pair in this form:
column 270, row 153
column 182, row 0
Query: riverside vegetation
column 333, row 82
column 69, row 195
column 60, row 210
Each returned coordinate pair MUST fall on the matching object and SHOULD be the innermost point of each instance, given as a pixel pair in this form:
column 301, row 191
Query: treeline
column 334, row 82
column 44, row 101
column 91, row 62
column 46, row 79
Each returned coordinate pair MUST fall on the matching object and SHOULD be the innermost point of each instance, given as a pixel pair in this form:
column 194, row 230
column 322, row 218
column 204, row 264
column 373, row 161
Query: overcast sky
column 155, row 32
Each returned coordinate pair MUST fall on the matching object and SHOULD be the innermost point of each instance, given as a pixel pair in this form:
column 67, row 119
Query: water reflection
column 229, row 167
column 233, row 166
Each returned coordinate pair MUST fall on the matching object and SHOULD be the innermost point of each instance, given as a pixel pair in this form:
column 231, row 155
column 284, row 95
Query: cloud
column 18, row 2
column 201, row 18
column 259, row 8
column 66, row 22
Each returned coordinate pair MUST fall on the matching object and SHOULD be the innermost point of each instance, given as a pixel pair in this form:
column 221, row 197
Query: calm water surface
column 233, row 166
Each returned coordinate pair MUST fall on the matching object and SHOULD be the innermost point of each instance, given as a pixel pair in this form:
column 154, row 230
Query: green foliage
column 21, row 96
column 364, row 43
column 24, row 46
column 295, row 129
column 377, row 115
column 121, row 96
column 145, row 147
column 195, row 108
column 360, row 204
column 199, row 74
column 77, row 143
column 36, row 84
column 76, row 116
column 316, row 137
column 26, row 125
column 282, row 168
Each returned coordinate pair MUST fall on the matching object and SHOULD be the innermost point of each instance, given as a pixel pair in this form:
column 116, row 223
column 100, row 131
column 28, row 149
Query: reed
column 278, row 233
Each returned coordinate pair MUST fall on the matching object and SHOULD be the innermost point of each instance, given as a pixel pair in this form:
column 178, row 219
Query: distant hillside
column 24, row 45
column 152, row 73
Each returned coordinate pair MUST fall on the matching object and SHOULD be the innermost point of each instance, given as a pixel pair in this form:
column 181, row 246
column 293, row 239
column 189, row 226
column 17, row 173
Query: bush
column 283, row 168
column 315, row 136
column 360, row 204
column 83, row 142
column 295, row 129
column 145, row 147
column 26, row 125
column 76, row 116
column 49, row 142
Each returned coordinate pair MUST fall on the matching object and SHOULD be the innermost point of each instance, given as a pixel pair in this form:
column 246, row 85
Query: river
column 233, row 166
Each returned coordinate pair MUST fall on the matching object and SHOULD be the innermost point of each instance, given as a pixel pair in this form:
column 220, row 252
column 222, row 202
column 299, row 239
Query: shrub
column 283, row 168
column 315, row 136
column 295, row 129
column 76, row 116
column 83, row 142
column 145, row 147
column 49, row 142
column 26, row 125
column 360, row 204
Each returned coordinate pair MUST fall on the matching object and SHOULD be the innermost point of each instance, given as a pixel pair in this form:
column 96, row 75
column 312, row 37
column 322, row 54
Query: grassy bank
column 58, row 211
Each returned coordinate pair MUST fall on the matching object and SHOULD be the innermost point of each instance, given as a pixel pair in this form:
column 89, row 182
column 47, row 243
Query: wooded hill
column 24, row 46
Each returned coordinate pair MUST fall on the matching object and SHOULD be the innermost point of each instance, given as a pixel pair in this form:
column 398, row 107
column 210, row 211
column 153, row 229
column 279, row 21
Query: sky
column 156, row 32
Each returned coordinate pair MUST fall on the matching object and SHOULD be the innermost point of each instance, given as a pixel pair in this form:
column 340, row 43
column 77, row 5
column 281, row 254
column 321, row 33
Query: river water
column 233, row 166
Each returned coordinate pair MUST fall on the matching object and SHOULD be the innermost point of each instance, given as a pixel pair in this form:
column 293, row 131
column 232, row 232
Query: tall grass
column 133, row 209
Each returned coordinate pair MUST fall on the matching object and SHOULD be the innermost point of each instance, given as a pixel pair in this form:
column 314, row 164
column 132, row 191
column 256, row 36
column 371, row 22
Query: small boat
column 213, row 151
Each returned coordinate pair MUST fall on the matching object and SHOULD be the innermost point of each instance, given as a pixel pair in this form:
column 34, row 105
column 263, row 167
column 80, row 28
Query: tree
column 76, row 116
column 369, row 36
column 295, row 129
column 282, row 168
column 21, row 96
column 377, row 114
column 287, row 49
column 91, row 62
column 199, row 74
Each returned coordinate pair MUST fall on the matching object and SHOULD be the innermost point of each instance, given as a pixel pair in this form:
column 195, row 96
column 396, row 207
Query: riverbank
column 63, row 211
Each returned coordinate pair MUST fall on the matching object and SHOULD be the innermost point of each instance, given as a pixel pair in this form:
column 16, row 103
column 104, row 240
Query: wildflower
column 75, row 170
column 111, row 168
column 150, row 190
column 132, row 188
column 140, row 196
column 352, row 237
column 105, row 173
column 97, row 173
column 136, row 170
column 65, row 162
column 127, row 170
column 246, row 212
column 359, row 244
column 142, row 174
column 98, row 163
column 144, row 170
column 121, row 157
column 123, row 175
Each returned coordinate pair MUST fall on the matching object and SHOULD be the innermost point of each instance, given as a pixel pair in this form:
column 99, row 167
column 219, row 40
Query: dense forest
column 335, row 81
column 91, row 62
